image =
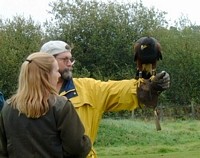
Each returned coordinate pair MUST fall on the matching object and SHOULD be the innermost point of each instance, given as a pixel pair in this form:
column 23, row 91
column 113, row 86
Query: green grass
column 184, row 154
column 139, row 139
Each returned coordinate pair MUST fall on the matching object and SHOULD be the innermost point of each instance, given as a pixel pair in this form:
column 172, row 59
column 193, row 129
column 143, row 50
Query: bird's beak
column 143, row 46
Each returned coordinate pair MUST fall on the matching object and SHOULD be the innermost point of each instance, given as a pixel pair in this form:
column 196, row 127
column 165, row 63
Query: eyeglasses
column 66, row 60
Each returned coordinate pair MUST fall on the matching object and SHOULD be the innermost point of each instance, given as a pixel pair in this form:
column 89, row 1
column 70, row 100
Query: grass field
column 139, row 139
column 187, row 154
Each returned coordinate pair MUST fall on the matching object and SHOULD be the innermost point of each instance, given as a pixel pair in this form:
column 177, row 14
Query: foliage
column 103, row 33
column 181, row 58
column 18, row 38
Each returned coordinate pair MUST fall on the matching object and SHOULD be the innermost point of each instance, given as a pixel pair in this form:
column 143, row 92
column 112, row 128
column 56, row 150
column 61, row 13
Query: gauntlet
column 149, row 89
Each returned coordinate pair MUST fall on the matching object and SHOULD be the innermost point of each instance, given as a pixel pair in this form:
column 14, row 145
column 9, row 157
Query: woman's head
column 37, row 80
column 36, row 72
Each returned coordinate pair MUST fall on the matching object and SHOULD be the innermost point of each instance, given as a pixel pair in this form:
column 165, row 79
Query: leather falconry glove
column 149, row 89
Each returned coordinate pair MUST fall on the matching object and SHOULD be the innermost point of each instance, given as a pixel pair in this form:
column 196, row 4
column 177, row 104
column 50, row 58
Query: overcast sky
column 37, row 9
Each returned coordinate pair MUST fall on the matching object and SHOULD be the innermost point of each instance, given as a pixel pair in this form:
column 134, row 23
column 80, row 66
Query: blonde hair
column 34, row 87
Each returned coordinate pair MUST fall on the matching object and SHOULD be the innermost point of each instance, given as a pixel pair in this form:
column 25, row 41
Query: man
column 92, row 98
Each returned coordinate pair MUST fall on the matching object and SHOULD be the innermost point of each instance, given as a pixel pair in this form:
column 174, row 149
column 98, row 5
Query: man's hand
column 150, row 89
column 160, row 82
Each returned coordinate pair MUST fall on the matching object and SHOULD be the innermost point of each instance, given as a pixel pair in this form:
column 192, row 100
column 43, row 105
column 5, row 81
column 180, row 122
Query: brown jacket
column 57, row 134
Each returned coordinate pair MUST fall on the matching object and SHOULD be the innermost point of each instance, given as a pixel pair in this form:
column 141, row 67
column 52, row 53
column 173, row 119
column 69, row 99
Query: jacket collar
column 68, row 89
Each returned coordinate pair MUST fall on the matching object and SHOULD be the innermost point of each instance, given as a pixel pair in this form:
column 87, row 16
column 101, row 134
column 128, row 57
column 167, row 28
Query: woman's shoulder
column 59, row 102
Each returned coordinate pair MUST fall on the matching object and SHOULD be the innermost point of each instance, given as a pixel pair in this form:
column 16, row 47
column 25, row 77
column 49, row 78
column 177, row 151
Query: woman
column 36, row 122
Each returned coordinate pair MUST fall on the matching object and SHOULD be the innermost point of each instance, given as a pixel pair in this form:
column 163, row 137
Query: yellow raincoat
column 96, row 97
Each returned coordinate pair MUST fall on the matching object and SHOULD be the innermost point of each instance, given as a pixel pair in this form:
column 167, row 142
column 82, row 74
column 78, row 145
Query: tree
column 103, row 33
column 18, row 38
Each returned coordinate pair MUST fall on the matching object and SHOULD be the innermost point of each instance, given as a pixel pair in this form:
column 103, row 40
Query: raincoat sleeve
column 119, row 95
column 108, row 96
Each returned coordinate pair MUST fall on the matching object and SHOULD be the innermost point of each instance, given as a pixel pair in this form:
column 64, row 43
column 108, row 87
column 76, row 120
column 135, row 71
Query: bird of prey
column 147, row 52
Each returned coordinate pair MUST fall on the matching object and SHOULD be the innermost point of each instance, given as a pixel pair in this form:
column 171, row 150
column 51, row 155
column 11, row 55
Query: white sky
column 37, row 9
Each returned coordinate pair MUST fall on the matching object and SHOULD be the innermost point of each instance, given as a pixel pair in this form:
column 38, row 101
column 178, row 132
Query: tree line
column 103, row 34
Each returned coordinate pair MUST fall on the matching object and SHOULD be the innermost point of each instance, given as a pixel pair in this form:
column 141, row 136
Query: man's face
column 65, row 63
